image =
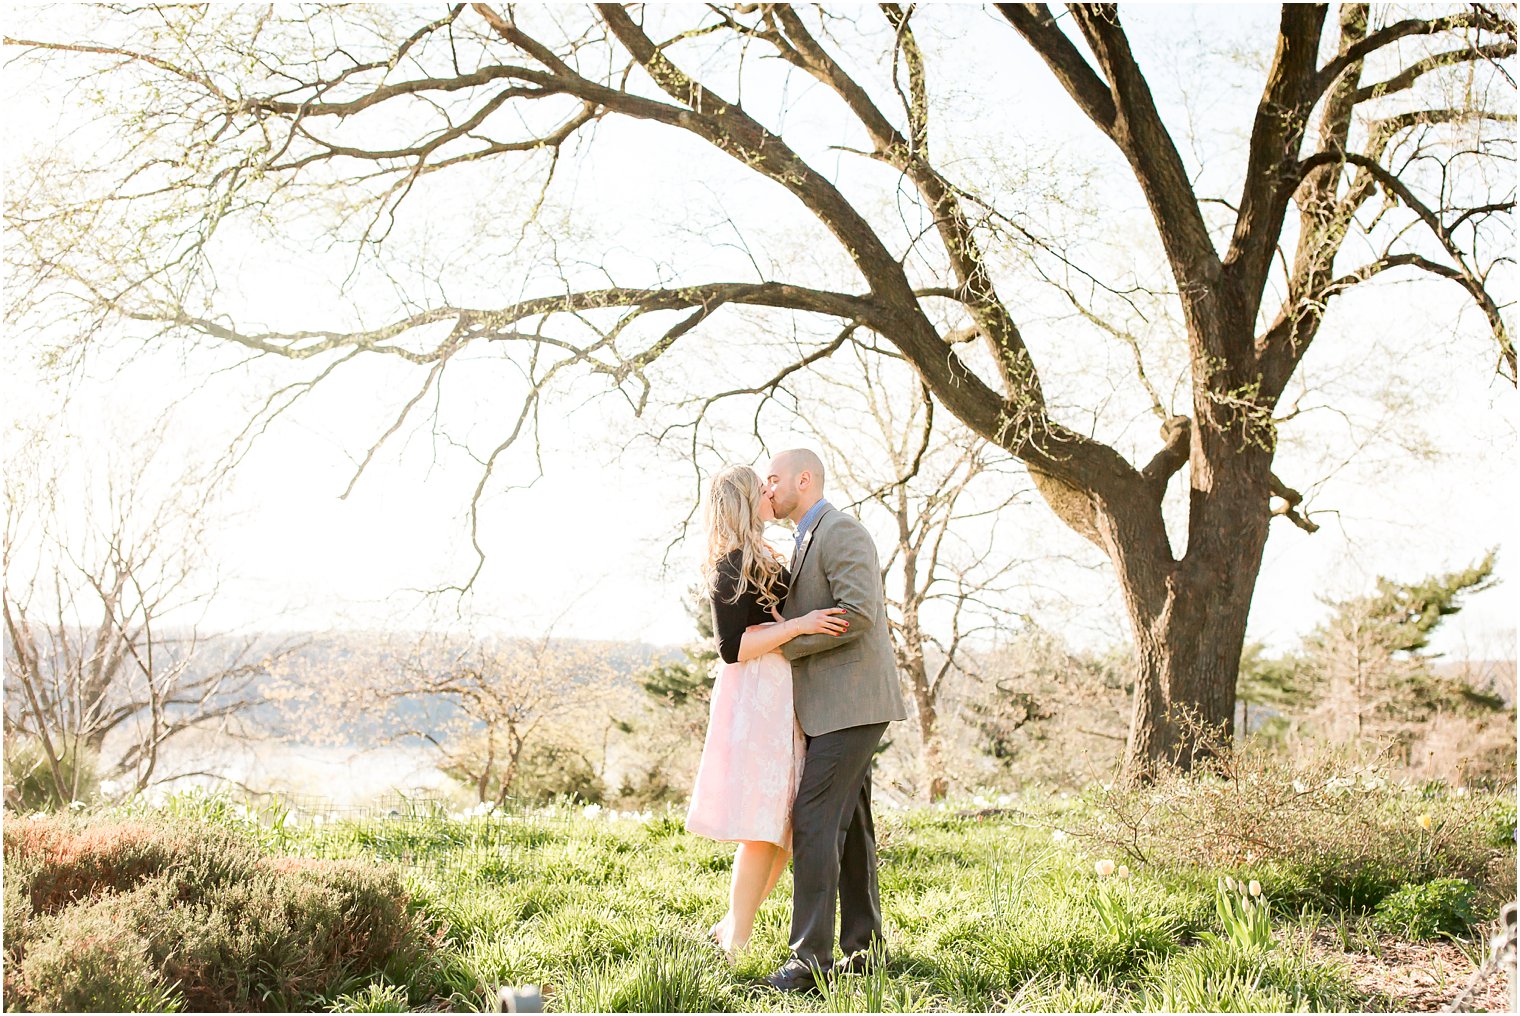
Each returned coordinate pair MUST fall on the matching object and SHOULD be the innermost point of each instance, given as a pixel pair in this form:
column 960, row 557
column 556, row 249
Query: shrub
column 1440, row 907
column 1322, row 826
column 93, row 963
column 550, row 767
column 18, row 928
column 194, row 908
column 648, row 787
column 29, row 784
column 64, row 860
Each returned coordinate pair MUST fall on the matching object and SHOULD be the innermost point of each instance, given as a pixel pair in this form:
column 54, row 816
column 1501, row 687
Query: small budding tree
column 1381, row 147
column 515, row 701
column 933, row 492
column 108, row 666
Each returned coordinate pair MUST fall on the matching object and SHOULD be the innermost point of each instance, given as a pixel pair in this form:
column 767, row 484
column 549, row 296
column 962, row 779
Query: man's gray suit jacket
column 850, row 679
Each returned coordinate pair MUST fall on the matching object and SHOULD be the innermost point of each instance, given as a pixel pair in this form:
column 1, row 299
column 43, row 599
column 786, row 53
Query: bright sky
column 585, row 547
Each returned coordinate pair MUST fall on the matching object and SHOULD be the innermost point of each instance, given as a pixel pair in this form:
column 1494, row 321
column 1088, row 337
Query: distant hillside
column 315, row 655
column 318, row 656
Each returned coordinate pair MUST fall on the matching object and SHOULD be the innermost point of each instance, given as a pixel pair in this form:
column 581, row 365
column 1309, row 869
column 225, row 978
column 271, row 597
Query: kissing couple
column 807, row 686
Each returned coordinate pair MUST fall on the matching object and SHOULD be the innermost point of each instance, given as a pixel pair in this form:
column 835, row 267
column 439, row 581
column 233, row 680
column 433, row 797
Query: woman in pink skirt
column 752, row 758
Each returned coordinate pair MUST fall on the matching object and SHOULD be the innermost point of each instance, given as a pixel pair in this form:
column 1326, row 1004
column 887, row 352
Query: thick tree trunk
column 1188, row 616
column 1187, row 663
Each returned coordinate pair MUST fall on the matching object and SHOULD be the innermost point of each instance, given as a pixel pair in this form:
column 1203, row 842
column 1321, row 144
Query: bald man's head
column 794, row 482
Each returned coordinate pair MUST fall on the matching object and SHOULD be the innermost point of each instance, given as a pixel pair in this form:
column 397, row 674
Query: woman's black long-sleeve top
column 730, row 619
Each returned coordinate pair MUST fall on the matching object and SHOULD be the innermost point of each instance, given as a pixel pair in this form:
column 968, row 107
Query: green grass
column 609, row 914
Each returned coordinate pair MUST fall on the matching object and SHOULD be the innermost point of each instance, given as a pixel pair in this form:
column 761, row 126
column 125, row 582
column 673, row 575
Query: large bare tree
column 1380, row 147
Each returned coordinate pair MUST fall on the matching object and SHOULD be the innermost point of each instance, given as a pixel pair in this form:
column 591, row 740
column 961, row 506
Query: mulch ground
column 1415, row 976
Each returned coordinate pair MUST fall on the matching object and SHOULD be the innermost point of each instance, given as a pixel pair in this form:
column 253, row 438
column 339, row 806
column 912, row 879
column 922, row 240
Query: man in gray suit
column 846, row 692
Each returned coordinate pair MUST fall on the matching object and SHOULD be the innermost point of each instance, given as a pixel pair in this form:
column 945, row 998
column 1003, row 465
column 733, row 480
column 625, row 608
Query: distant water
column 347, row 776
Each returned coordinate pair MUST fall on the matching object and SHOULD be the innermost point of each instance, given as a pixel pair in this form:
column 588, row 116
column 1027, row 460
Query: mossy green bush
column 92, row 962
column 63, row 860
column 1442, row 906
column 192, row 916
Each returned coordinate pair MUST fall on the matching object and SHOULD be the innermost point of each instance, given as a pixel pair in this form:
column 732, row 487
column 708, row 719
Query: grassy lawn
column 990, row 913
column 983, row 914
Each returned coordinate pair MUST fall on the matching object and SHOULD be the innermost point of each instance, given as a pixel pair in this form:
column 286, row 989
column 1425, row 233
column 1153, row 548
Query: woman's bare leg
column 722, row 931
column 754, row 875
column 778, row 867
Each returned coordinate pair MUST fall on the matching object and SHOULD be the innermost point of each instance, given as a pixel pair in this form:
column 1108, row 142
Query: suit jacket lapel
column 807, row 543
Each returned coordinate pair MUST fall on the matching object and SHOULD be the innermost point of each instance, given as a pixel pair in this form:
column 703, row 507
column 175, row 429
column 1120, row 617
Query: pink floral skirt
column 752, row 758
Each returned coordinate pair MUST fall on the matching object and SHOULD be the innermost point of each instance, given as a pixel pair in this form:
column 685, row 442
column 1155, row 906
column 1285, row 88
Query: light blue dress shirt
column 806, row 523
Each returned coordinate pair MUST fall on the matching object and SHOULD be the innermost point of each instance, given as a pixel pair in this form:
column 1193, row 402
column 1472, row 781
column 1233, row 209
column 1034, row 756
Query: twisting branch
column 1288, row 509
column 1352, row 55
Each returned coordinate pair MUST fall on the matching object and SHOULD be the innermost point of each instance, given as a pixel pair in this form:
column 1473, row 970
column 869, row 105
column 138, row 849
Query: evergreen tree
column 691, row 678
column 1365, row 671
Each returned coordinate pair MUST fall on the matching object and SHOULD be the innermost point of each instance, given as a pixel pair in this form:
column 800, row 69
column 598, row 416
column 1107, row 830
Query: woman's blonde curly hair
column 733, row 522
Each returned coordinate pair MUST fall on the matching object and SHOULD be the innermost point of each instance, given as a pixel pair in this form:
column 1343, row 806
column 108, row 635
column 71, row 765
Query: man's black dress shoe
column 861, row 962
column 794, row 975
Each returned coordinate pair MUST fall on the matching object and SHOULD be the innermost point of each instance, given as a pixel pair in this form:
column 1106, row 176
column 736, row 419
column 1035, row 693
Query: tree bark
column 1188, row 615
column 933, row 785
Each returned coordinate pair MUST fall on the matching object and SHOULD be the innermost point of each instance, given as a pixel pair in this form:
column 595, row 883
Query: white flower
column 38, row 816
column 77, row 805
column 1003, row 800
column 591, row 810
column 1104, row 868
column 1059, row 836
column 1299, row 786
column 1255, row 888
column 1123, row 871
column 317, row 820
column 109, row 787
column 1229, row 883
